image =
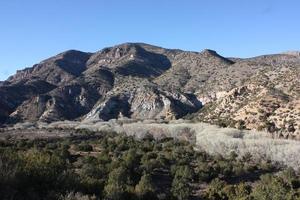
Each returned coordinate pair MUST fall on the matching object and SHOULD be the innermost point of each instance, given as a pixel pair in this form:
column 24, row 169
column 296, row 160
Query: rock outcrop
column 141, row 81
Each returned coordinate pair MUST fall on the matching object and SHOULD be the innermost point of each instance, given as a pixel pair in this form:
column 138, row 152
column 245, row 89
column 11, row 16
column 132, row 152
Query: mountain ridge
column 142, row 81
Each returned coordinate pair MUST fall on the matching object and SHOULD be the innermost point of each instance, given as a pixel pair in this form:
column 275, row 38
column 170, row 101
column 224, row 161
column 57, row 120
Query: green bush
column 84, row 147
column 145, row 188
column 275, row 188
column 121, row 167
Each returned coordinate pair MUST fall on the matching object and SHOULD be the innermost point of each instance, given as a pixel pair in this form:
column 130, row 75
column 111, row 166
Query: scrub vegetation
column 106, row 165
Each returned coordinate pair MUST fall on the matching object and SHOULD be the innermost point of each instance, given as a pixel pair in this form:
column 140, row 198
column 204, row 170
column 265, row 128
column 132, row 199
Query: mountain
column 293, row 53
column 141, row 81
column 264, row 95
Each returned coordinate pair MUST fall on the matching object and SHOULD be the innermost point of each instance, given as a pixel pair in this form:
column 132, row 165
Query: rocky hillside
column 142, row 81
column 269, row 99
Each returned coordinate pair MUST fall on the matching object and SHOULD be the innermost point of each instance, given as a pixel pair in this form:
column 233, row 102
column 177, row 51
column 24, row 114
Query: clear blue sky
column 32, row 30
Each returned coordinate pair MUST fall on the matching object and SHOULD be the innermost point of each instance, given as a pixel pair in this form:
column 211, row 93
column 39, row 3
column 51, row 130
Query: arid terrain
column 132, row 159
column 141, row 81
column 209, row 138
column 141, row 122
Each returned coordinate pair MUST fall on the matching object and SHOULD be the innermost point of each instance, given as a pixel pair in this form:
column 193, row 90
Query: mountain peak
column 293, row 53
column 69, row 55
column 209, row 52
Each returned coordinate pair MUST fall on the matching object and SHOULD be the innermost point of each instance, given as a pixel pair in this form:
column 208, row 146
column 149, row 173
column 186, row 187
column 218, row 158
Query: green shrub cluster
column 110, row 166
column 284, row 185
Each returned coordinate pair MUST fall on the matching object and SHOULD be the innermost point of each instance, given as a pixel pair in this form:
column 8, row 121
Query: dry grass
column 210, row 138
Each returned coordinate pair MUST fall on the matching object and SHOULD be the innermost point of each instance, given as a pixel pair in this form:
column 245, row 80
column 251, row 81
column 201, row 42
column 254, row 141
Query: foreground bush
column 120, row 167
column 34, row 175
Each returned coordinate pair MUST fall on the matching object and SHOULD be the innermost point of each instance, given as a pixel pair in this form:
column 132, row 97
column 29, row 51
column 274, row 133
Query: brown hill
column 142, row 81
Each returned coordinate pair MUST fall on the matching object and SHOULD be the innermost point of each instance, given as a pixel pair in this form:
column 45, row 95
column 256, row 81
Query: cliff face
column 142, row 81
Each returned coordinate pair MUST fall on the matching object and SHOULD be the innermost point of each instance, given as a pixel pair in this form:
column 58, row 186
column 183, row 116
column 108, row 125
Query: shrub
column 145, row 188
column 273, row 187
column 84, row 147
column 215, row 190
column 117, row 184
column 180, row 185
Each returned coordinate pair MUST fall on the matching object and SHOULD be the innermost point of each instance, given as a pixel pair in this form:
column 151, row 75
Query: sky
column 33, row 30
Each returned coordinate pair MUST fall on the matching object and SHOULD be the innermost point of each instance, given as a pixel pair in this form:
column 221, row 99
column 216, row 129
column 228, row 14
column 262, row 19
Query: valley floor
column 209, row 138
